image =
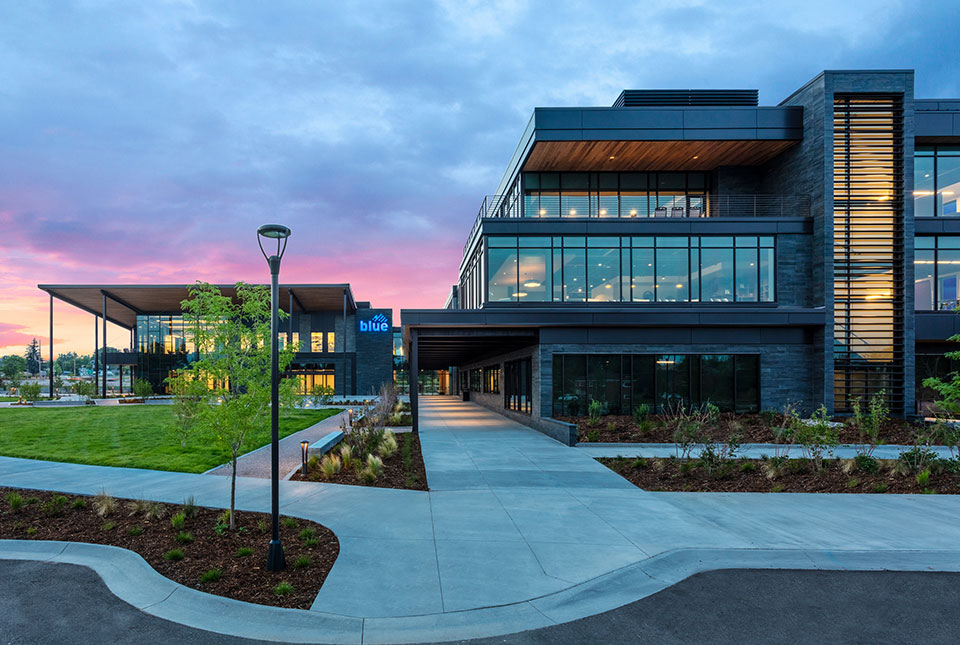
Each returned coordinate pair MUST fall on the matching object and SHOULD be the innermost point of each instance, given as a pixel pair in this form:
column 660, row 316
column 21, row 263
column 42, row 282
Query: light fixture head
column 277, row 232
column 274, row 231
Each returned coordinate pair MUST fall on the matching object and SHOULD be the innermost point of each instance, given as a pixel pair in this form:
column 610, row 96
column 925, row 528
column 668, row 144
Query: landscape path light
column 304, row 448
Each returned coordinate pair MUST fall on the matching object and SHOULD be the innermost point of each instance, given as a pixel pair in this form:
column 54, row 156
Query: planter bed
column 395, row 474
column 753, row 428
column 799, row 476
column 242, row 578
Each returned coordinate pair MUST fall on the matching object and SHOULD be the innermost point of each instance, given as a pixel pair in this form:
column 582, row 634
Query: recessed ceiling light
column 696, row 156
column 612, row 157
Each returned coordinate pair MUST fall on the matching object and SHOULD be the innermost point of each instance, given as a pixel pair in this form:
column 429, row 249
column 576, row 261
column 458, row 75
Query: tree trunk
column 233, row 492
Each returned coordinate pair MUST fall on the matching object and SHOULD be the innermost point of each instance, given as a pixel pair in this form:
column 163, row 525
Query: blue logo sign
column 377, row 323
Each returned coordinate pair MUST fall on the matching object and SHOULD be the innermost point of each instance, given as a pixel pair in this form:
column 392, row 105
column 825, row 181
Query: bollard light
column 304, row 447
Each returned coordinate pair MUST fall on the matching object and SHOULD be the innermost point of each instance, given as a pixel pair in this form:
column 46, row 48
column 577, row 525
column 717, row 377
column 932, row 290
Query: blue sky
column 146, row 141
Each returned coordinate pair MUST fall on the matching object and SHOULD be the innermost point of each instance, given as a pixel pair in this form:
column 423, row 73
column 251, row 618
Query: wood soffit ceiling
column 573, row 156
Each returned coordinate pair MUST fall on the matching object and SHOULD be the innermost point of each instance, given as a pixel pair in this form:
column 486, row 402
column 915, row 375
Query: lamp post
column 280, row 234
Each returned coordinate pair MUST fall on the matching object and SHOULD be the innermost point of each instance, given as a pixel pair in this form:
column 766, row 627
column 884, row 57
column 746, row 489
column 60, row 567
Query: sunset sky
column 145, row 142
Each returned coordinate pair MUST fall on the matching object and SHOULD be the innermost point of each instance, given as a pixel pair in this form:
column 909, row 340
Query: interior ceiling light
column 696, row 156
column 531, row 284
column 612, row 157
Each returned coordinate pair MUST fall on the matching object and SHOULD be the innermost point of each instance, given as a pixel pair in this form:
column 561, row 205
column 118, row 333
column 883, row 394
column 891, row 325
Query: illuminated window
column 331, row 342
column 316, row 341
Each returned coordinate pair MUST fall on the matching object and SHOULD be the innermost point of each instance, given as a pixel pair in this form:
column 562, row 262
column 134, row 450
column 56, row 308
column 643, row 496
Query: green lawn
column 133, row 437
column 8, row 399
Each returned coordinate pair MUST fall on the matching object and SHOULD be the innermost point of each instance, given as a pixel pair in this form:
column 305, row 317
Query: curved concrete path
column 517, row 532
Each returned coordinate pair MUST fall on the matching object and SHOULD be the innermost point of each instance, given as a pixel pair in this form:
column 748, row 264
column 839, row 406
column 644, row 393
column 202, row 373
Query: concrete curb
column 131, row 579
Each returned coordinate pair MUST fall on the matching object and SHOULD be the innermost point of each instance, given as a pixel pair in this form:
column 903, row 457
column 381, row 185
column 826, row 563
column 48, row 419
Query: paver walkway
column 519, row 532
column 256, row 463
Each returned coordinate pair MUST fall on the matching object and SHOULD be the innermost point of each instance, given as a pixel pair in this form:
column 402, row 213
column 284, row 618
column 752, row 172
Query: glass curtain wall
column 937, row 273
column 722, row 269
column 936, row 181
column 518, row 385
column 630, row 194
column 164, row 345
column 621, row 382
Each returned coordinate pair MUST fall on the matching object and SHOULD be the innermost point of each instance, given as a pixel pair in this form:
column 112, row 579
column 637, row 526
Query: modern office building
column 344, row 344
column 684, row 246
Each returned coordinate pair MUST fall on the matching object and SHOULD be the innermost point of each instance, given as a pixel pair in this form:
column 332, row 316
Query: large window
column 611, row 194
column 491, row 379
column 518, row 388
column 936, row 181
column 936, row 273
column 621, row 382
column 632, row 269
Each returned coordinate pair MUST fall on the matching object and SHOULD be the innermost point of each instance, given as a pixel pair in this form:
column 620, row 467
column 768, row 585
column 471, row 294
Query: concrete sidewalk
column 517, row 532
column 747, row 450
column 256, row 463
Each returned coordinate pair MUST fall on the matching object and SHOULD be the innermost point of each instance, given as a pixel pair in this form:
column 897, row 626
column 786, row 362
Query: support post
column 414, row 381
column 344, row 342
column 104, row 392
column 290, row 319
column 51, row 346
column 96, row 351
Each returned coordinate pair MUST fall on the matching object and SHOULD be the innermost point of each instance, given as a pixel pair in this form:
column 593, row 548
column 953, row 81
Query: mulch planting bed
column 793, row 476
column 411, row 475
column 146, row 528
column 753, row 428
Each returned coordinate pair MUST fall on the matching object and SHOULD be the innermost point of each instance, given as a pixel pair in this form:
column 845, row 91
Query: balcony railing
column 686, row 207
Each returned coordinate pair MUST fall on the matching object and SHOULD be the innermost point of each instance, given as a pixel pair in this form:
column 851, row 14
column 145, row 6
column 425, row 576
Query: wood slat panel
column 575, row 156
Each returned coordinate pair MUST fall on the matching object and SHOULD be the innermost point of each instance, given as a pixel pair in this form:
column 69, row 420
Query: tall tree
column 32, row 354
column 233, row 339
column 68, row 362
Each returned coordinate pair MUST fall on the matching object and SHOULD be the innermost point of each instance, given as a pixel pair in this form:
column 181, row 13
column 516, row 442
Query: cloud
column 146, row 143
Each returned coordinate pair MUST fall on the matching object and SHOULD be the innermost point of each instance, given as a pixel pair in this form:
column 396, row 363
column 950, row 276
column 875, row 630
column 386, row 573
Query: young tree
column 32, row 355
column 12, row 368
column 233, row 342
column 67, row 363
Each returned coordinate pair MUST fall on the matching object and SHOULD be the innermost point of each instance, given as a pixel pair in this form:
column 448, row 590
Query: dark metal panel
column 557, row 118
column 640, row 134
column 720, row 134
column 648, row 118
column 786, row 118
column 720, row 119
column 936, row 325
column 933, row 124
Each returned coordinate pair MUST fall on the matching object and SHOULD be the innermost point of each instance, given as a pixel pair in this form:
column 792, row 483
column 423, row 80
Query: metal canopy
column 125, row 302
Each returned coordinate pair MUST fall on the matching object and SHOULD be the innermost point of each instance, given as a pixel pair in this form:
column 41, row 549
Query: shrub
column 321, row 394
column 312, row 462
column 592, row 435
column 189, row 508
column 330, row 465
column 135, row 530
column 213, row 575
column 79, row 503
column 85, row 389
column 155, row 511
column 174, row 555
column 31, row 530
column 109, row 525
column 777, row 488
column 311, row 542
column 880, row 488
column 853, row 483
column 641, row 412
column 917, row 459
column 923, row 477
column 302, row 562
column 244, row 551
column 184, row 537
column 388, row 447
column 283, row 589
column 639, row 463
column 178, row 520
column 289, row 522
column 32, row 500
column 817, row 437
column 138, row 506
column 868, row 422
column 308, row 533
column 715, row 456
column 748, row 467
column 15, row 500
column 375, row 464
column 54, row 507
column 104, row 504
column 594, row 411
column 346, row 455
column 262, row 526
column 30, row 391
column 866, row 463
column 142, row 388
